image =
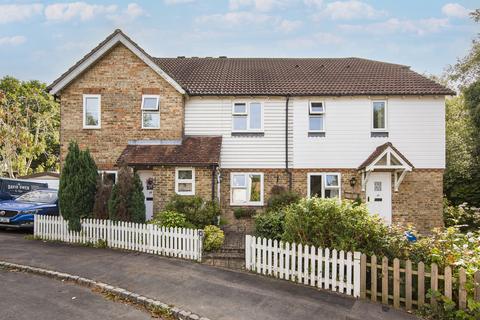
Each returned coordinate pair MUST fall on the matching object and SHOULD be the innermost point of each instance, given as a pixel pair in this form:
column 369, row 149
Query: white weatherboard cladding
column 416, row 127
column 213, row 116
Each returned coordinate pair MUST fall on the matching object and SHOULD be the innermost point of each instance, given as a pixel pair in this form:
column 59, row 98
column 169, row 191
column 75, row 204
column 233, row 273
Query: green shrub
column 446, row 308
column 171, row 219
column 197, row 211
column 213, row 238
column 466, row 218
column 343, row 225
column 100, row 207
column 78, row 184
column 280, row 197
column 242, row 212
column 269, row 224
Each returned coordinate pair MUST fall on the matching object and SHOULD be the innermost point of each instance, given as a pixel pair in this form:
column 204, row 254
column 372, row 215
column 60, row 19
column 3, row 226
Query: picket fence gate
column 331, row 270
column 173, row 242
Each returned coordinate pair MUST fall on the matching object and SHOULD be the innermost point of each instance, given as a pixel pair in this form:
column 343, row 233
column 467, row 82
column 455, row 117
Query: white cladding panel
column 416, row 127
column 213, row 116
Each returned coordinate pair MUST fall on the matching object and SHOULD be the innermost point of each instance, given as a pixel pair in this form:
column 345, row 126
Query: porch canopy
column 386, row 158
column 192, row 151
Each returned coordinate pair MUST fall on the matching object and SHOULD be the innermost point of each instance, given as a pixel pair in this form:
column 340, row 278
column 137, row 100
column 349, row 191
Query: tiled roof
column 297, row 76
column 378, row 151
column 286, row 76
column 194, row 151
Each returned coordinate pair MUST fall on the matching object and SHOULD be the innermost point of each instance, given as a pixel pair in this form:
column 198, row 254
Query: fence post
column 200, row 245
column 462, row 292
column 433, row 282
column 421, row 284
column 385, row 280
column 373, row 278
column 359, row 277
column 396, row 283
column 476, row 286
column 408, row 285
column 248, row 240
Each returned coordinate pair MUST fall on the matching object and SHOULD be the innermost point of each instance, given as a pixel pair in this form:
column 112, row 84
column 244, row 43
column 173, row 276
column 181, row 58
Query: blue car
column 20, row 212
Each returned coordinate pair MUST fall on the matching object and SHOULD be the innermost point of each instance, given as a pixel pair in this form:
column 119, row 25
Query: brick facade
column 164, row 185
column 418, row 201
column 121, row 78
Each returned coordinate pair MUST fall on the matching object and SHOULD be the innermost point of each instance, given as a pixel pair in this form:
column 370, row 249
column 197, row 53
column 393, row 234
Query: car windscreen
column 38, row 196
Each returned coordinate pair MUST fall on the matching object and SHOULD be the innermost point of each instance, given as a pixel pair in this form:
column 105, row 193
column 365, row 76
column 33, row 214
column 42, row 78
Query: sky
column 41, row 40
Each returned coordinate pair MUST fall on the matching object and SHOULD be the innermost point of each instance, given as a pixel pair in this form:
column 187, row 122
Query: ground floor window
column 185, row 181
column 324, row 185
column 246, row 188
column 108, row 176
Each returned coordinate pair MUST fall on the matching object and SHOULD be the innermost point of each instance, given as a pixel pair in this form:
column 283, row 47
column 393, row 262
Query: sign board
column 16, row 187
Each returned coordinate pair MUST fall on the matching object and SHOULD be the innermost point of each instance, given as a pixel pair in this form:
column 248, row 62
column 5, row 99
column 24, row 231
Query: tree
column 76, row 194
column 100, row 207
column 127, row 200
column 29, row 123
column 137, row 201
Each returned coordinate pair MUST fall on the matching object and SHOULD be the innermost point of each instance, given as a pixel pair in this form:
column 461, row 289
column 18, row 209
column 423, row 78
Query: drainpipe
column 214, row 170
column 287, row 169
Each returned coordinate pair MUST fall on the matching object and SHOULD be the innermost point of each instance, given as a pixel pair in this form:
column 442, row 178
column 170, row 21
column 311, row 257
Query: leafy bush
column 468, row 219
column 269, row 224
column 171, row 219
column 213, row 239
column 197, row 211
column 446, row 309
column 242, row 212
column 280, row 197
column 329, row 223
column 78, row 184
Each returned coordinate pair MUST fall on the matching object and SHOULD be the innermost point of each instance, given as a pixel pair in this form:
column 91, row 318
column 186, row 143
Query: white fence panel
column 175, row 242
column 317, row 267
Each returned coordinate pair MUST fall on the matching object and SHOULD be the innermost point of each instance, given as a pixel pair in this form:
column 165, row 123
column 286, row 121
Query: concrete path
column 24, row 296
column 214, row 293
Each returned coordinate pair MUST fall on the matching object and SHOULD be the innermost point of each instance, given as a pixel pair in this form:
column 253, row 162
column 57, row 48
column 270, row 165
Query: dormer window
column 316, row 114
column 150, row 111
column 247, row 117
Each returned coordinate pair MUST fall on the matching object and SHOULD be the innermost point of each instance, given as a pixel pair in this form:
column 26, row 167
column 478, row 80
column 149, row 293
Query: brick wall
column 418, row 201
column 164, row 185
column 121, row 78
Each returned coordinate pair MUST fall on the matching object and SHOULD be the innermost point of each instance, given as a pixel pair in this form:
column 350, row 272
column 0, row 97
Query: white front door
column 147, row 180
column 379, row 195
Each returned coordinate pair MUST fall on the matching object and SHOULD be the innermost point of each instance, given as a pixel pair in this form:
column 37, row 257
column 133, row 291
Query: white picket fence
column 174, row 242
column 316, row 267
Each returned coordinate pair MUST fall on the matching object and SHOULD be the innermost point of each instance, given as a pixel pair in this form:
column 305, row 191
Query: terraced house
column 232, row 128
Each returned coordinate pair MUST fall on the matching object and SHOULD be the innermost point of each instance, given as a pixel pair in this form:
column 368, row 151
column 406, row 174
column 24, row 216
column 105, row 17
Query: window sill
column 246, row 204
column 92, row 128
column 379, row 134
column 185, row 194
column 248, row 133
column 316, row 134
column 151, row 128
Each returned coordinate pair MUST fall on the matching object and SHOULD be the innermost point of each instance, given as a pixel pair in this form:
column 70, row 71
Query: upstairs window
column 247, row 117
column 185, row 181
column 108, row 176
column 379, row 115
column 316, row 120
column 246, row 189
column 91, row 111
column 324, row 185
column 150, row 112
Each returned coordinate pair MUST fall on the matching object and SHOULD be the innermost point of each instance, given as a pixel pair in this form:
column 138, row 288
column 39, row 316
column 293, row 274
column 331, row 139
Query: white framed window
column 316, row 116
column 324, row 185
column 108, row 176
column 246, row 189
column 92, row 111
column 185, row 181
column 247, row 117
column 150, row 111
column 379, row 115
